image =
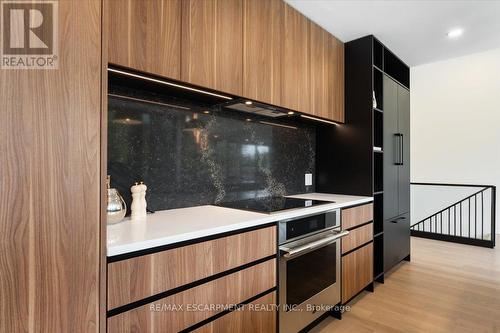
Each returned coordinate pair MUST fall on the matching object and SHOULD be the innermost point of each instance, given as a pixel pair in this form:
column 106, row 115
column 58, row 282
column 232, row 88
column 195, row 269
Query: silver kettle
column 116, row 208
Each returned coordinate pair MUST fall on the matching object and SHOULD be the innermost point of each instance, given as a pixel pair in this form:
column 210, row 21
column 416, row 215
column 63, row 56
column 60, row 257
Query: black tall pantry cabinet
column 396, row 172
column 369, row 155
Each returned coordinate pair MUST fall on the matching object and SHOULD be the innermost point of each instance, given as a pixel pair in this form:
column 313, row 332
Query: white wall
column 455, row 121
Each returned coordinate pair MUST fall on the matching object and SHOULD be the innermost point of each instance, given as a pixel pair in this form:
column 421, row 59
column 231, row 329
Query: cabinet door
column 334, row 68
column 396, row 240
column 295, row 77
column 145, row 35
column 257, row 316
column 357, row 271
column 212, row 44
column 404, row 129
column 391, row 148
column 262, row 50
column 318, row 76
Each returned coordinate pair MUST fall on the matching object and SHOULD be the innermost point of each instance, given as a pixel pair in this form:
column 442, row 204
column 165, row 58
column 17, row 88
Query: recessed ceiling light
column 455, row 33
column 290, row 112
column 248, row 102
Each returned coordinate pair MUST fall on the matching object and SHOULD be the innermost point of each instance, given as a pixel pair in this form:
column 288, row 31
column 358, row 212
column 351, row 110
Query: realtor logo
column 29, row 34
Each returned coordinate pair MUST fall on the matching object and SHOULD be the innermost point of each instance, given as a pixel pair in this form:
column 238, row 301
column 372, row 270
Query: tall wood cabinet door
column 391, row 148
column 335, row 79
column 318, row 75
column 295, row 62
column 212, row 44
column 262, row 50
column 145, row 35
column 50, row 184
column 404, row 129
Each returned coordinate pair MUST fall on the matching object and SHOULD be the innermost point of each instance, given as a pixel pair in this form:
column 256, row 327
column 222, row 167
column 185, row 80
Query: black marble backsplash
column 189, row 153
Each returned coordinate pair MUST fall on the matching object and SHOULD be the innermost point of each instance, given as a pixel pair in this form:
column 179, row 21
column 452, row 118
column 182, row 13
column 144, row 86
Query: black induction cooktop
column 272, row 204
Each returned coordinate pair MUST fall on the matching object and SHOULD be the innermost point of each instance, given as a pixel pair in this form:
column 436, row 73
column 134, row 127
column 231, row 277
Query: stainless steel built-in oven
column 309, row 268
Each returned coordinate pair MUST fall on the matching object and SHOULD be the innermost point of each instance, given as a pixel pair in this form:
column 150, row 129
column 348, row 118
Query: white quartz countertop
column 183, row 224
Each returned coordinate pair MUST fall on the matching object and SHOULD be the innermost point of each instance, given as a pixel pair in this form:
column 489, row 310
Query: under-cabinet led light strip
column 148, row 101
column 142, row 77
column 275, row 124
column 319, row 119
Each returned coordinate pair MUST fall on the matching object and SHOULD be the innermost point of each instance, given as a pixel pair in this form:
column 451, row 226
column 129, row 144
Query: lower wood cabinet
column 354, row 216
column 184, row 309
column 357, row 237
column 258, row 316
column 134, row 279
column 357, row 271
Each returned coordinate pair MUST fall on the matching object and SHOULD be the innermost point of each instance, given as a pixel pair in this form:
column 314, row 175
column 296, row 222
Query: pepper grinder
column 138, row 206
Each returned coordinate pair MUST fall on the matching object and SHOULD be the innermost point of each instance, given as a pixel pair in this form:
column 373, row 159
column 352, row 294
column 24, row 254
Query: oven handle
column 288, row 253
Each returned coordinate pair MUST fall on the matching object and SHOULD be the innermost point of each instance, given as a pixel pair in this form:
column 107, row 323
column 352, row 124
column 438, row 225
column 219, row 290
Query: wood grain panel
column 262, row 50
column 318, row 74
column 146, row 35
column 230, row 289
column 137, row 278
column 335, row 79
column 212, row 44
column 49, row 183
column 357, row 271
column 295, row 61
column 357, row 237
column 352, row 217
column 255, row 317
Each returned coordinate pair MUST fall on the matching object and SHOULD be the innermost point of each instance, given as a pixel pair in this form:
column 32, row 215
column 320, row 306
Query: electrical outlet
column 309, row 179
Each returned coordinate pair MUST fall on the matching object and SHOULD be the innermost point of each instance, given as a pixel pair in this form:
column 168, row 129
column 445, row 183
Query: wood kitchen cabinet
column 318, row 55
column 230, row 269
column 357, row 271
column 136, row 278
column 357, row 250
column 295, row 79
column 212, row 44
column 230, row 289
column 255, row 317
column 145, row 35
column 262, row 50
column 335, row 80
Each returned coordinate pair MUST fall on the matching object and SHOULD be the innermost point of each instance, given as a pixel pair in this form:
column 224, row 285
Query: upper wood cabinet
column 335, row 79
column 212, row 44
column 296, row 61
column 326, row 74
column 318, row 54
column 262, row 50
column 146, row 35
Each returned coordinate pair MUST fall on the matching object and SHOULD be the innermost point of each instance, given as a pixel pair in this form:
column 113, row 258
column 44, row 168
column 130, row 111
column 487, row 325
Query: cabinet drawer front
column 357, row 237
column 259, row 316
column 352, row 217
column 357, row 271
column 184, row 309
column 137, row 278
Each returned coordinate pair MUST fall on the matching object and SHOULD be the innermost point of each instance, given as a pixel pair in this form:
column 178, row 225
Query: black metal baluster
column 460, row 218
column 482, row 216
column 449, row 225
column 475, row 216
column 469, row 217
column 455, row 220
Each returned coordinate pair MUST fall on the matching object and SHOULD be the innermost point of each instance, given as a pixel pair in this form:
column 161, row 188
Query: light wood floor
column 445, row 288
